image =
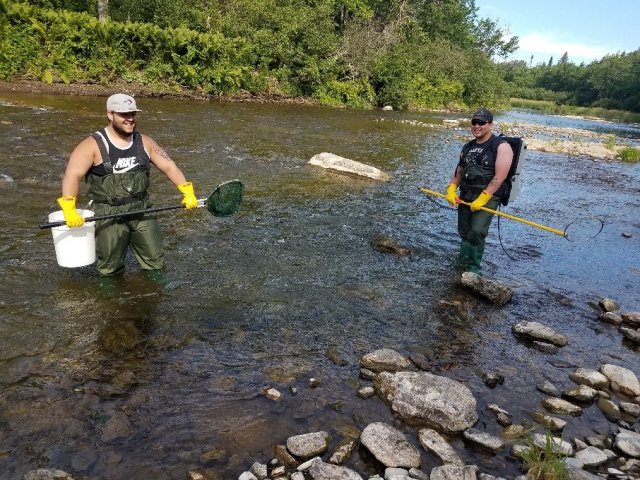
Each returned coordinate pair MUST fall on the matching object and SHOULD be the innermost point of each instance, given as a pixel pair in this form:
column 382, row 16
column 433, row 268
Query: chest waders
column 119, row 184
column 478, row 168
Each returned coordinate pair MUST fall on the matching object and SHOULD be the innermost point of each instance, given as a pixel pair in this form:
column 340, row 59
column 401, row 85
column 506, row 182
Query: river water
column 151, row 381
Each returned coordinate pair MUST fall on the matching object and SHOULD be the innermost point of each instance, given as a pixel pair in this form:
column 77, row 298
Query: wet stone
column 591, row 378
column 545, row 347
column 631, row 334
column 385, row 360
column 342, row 452
column 625, row 379
column 609, row 409
column 591, row 457
column 390, row 446
column 608, row 305
column 513, row 432
column 488, row 288
column 557, row 405
column 454, row 472
column 628, row 443
column 366, row 392
column 47, row 474
column 557, row 444
column 581, row 393
column 538, row 331
column 548, row 388
column 308, row 445
column 630, row 409
column 326, row 471
column 418, row 474
column 283, row 456
column 485, row 440
column 552, row 423
column 632, row 318
column 367, row 374
column 610, row 317
column 433, row 442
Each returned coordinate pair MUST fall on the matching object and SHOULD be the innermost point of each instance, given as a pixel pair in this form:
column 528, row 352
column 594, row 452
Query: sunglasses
column 478, row 122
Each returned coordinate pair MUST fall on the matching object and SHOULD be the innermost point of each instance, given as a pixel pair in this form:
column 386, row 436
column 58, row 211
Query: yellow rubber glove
column 481, row 201
column 452, row 194
column 71, row 215
column 189, row 199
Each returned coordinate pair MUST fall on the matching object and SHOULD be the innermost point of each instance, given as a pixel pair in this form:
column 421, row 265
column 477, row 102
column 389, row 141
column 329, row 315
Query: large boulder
column 424, row 399
column 341, row 164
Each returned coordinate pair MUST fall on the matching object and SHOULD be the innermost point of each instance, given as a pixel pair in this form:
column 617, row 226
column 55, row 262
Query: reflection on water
column 152, row 378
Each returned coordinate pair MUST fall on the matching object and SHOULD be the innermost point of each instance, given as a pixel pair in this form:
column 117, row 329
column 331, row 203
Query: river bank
column 569, row 141
column 94, row 89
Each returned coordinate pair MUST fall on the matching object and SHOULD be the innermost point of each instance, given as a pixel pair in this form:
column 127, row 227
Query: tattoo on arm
column 160, row 151
column 493, row 182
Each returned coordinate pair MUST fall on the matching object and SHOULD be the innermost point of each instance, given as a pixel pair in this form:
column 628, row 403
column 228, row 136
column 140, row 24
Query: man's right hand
column 452, row 194
column 71, row 215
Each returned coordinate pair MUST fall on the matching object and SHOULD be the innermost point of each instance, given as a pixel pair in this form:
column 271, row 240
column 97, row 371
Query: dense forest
column 416, row 54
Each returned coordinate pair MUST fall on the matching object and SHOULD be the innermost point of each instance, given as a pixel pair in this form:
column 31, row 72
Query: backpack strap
column 106, row 161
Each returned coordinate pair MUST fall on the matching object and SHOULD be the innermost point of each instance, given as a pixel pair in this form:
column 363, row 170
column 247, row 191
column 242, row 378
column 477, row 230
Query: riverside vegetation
column 358, row 53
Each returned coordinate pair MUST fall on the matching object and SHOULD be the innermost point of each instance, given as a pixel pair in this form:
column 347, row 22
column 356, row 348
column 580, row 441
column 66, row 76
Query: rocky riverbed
column 432, row 412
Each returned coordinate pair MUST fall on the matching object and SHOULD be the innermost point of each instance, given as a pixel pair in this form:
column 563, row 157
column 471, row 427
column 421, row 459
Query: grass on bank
column 543, row 463
column 629, row 155
column 553, row 108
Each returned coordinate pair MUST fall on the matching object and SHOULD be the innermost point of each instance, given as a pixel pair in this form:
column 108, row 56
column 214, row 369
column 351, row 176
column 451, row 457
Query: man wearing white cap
column 116, row 161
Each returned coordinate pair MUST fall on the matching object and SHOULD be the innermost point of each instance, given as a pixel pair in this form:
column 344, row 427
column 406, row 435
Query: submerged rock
column 386, row 245
column 488, row 288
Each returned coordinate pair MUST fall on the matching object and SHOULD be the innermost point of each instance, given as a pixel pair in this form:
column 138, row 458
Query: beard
column 121, row 131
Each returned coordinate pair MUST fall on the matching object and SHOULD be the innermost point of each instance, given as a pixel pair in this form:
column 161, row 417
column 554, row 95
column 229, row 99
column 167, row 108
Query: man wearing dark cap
column 484, row 165
column 116, row 163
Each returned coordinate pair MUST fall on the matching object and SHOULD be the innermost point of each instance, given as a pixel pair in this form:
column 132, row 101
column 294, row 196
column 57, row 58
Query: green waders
column 473, row 228
column 113, row 194
column 114, row 236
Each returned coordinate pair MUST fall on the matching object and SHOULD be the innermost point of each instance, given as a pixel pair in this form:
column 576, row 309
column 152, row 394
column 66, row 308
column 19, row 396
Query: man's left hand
column 189, row 199
column 481, row 201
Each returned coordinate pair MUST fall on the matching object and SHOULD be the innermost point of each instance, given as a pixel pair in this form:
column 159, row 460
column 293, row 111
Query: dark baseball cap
column 484, row 115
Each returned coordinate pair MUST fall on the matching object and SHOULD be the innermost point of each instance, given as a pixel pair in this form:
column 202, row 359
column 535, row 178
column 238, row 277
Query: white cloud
column 547, row 44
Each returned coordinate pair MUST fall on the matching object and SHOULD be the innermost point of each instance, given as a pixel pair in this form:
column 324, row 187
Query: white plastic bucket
column 75, row 247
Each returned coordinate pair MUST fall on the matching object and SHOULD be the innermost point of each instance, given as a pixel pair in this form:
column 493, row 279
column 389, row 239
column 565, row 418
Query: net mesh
column 226, row 198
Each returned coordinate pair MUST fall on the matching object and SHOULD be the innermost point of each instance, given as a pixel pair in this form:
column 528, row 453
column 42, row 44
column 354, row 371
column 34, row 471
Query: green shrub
column 352, row 93
column 629, row 154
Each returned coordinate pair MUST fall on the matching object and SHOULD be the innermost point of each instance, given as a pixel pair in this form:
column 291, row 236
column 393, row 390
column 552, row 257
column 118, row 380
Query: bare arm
column 457, row 176
column 503, row 164
column 80, row 161
column 163, row 162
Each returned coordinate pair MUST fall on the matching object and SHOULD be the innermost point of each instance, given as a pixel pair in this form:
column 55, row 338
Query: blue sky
column 586, row 29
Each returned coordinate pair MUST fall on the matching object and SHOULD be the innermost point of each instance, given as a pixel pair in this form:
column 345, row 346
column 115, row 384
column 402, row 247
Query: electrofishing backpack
column 511, row 185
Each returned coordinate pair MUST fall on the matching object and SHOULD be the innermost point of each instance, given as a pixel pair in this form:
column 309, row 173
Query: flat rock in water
column 490, row 289
column 538, row 331
column 341, row 164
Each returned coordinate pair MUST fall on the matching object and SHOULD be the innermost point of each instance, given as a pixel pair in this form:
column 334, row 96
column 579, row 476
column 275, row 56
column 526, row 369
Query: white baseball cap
column 121, row 103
